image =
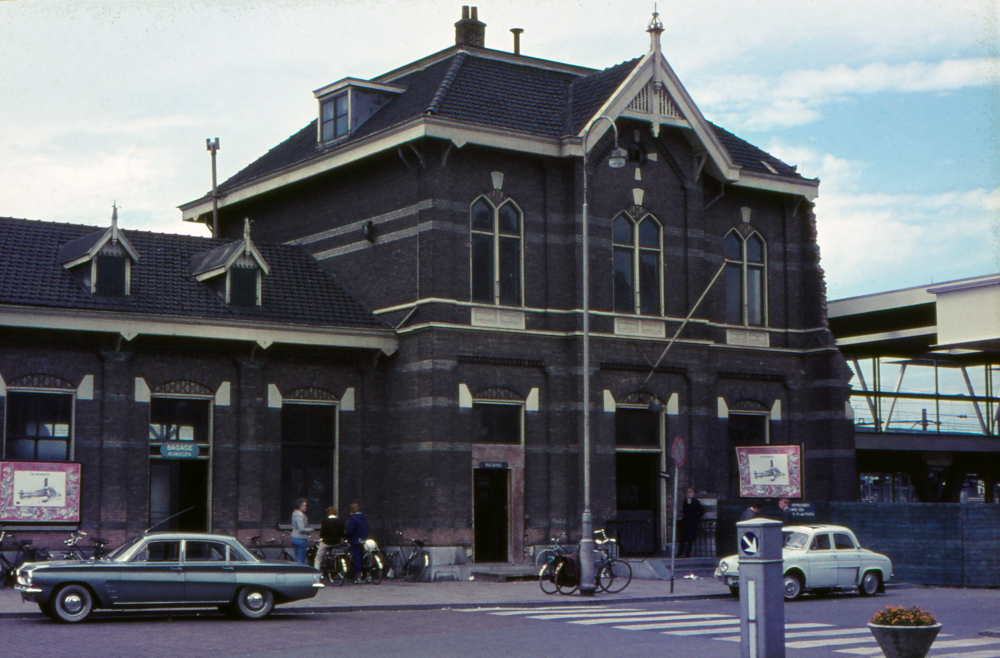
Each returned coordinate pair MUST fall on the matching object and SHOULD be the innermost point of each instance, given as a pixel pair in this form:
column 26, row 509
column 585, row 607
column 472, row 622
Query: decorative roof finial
column 114, row 222
column 655, row 29
column 246, row 236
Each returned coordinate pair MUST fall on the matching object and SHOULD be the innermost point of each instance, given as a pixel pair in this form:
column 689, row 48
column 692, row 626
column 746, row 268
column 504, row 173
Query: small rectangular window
column 649, row 283
column 497, row 423
column 821, row 542
column 734, row 294
column 623, row 275
column 637, row 428
column 510, row 272
column 111, row 276
column 38, row 426
column 843, row 542
column 204, row 551
column 334, row 118
column 243, row 286
column 482, row 269
column 160, row 551
column 755, row 296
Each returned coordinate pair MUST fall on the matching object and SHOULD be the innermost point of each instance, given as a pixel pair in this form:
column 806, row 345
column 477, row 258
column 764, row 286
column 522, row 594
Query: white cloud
column 872, row 242
column 755, row 102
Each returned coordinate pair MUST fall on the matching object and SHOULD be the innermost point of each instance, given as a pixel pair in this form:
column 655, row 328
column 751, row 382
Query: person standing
column 787, row 517
column 331, row 533
column 300, row 530
column 693, row 511
column 356, row 533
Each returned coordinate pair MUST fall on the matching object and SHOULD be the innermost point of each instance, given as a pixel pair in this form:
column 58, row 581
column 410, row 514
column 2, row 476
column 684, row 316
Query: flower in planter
column 903, row 616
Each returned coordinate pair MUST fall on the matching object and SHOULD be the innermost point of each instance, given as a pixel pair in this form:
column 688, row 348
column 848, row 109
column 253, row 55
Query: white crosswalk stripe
column 829, row 631
column 625, row 613
column 649, row 619
column 939, row 645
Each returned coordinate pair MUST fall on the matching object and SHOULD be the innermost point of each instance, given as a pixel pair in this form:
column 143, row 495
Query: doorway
column 176, row 485
column 490, row 513
column 637, row 501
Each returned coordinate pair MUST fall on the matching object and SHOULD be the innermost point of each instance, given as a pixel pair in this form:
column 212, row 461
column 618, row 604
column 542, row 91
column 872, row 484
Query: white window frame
column 745, row 267
column 333, row 101
column 336, row 438
column 496, row 235
column 637, row 251
column 71, row 452
column 506, row 403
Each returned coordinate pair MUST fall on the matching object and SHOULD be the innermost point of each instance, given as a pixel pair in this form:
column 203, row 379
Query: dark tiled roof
column 481, row 90
column 297, row 291
column 80, row 247
column 749, row 156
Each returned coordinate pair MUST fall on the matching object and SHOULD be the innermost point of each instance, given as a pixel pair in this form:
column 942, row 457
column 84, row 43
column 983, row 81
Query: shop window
column 637, row 265
column 746, row 279
column 495, row 241
column 39, row 426
column 497, row 423
column 308, row 457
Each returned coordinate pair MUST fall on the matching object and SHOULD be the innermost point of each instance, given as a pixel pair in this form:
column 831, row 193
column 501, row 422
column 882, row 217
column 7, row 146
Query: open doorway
column 176, row 485
column 490, row 514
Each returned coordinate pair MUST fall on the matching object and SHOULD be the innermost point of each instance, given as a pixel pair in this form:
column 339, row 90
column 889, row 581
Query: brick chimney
column 469, row 31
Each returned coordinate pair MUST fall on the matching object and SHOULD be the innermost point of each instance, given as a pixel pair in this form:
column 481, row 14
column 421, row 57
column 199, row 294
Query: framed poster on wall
column 40, row 492
column 770, row 471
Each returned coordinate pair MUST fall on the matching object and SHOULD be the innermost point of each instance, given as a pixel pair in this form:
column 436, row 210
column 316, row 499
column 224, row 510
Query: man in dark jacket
column 356, row 533
column 331, row 533
column 693, row 511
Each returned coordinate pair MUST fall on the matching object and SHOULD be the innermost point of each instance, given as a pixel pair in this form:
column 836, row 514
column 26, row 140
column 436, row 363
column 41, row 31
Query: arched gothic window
column 746, row 279
column 496, row 252
column 637, row 265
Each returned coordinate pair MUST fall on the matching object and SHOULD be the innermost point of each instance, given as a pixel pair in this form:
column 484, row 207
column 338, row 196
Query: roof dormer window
column 102, row 261
column 233, row 271
column 334, row 118
column 345, row 105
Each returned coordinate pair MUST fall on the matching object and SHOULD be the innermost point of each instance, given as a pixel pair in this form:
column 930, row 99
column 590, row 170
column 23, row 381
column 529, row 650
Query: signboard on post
column 678, row 452
column 770, row 471
column 40, row 492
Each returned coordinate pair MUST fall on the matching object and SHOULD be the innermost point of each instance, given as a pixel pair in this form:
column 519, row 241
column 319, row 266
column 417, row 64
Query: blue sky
column 894, row 105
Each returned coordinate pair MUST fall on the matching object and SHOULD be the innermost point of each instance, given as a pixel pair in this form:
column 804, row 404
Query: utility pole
column 213, row 147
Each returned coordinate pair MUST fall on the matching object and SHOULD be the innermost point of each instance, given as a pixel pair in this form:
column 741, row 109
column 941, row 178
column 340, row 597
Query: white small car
column 820, row 558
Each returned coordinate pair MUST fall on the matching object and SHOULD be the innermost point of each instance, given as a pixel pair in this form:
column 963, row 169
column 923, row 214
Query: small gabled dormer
column 102, row 261
column 233, row 272
column 345, row 105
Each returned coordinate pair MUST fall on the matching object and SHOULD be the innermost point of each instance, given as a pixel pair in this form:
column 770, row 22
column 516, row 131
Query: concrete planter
column 905, row 641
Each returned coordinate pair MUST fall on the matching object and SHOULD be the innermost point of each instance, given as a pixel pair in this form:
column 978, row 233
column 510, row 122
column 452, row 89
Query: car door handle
column 176, row 568
column 227, row 568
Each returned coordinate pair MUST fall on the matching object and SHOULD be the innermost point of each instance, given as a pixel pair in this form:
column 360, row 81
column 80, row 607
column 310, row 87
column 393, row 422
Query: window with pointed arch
column 746, row 279
column 637, row 265
column 496, row 234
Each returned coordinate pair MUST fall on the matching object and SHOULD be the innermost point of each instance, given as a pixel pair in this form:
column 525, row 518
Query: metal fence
column 637, row 538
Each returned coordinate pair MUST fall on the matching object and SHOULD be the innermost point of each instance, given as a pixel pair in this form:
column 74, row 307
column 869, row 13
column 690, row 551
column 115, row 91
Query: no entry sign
column 678, row 452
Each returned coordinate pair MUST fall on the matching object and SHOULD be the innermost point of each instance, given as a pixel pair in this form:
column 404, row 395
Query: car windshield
column 121, row 550
column 795, row 540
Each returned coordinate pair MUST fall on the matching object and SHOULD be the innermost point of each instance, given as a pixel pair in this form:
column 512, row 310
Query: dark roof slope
column 477, row 89
column 297, row 291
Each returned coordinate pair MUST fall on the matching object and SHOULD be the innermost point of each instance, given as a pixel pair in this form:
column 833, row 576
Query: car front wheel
column 869, row 583
column 71, row 603
column 793, row 586
column 254, row 602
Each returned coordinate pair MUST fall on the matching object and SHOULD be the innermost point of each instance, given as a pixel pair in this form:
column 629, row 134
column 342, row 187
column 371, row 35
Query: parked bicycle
column 73, row 551
column 410, row 568
column 548, row 559
column 336, row 565
column 272, row 544
column 561, row 573
column 25, row 553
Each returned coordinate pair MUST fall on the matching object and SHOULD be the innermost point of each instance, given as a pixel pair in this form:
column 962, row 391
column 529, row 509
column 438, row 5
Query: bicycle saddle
column 418, row 543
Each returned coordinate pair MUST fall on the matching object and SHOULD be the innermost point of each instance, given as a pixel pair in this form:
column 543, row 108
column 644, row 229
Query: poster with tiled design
column 40, row 492
column 770, row 471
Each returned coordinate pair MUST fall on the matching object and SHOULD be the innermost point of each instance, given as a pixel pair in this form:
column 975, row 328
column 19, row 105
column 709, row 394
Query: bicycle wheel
column 566, row 582
column 547, row 579
column 416, row 566
column 544, row 557
column 618, row 576
column 394, row 565
column 375, row 565
column 335, row 570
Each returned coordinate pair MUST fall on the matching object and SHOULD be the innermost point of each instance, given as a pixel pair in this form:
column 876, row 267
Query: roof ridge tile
column 445, row 85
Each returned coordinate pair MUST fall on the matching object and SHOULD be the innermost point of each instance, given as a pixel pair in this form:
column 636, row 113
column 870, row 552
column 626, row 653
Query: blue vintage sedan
column 167, row 570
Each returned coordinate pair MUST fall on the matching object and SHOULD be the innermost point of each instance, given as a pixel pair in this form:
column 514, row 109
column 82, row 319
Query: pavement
column 393, row 595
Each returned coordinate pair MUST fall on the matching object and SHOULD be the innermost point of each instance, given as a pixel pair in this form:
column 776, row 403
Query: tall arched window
column 746, row 279
column 496, row 253
column 637, row 265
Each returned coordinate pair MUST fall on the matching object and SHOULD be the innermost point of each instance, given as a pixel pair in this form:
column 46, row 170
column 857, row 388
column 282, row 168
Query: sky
column 894, row 105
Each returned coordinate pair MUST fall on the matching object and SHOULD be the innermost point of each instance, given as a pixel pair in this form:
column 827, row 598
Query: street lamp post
column 587, row 584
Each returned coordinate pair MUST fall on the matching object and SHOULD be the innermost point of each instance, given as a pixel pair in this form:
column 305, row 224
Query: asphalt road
column 828, row 626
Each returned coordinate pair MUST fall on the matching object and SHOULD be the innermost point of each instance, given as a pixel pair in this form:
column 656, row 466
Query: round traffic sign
column 677, row 451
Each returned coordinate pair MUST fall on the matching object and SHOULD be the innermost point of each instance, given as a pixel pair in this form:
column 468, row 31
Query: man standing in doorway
column 693, row 511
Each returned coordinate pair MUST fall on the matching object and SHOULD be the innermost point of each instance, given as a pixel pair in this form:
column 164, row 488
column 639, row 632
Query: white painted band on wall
column 3, row 387
column 222, row 395
column 531, row 403
column 723, row 408
column 673, row 405
column 609, row 402
column 347, row 400
column 464, row 397
column 776, row 410
column 273, row 397
column 848, row 411
column 141, row 390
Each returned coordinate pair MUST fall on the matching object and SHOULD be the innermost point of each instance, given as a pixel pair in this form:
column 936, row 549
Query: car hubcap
column 73, row 604
column 255, row 600
column 791, row 587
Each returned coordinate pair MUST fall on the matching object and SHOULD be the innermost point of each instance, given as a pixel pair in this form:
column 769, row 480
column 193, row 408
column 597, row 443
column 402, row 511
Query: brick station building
column 447, row 195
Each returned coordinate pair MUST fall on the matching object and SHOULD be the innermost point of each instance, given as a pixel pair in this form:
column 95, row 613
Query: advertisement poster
column 39, row 492
column 770, row 471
